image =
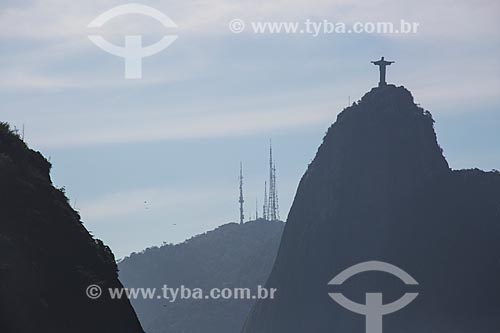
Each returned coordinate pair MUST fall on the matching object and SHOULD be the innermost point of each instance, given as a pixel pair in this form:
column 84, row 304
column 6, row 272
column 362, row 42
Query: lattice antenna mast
column 256, row 208
column 273, row 200
column 265, row 211
column 276, row 193
column 270, row 204
column 241, row 201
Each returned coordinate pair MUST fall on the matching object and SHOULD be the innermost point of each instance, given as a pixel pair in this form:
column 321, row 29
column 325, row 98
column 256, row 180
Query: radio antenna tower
column 273, row 206
column 256, row 209
column 265, row 211
column 241, row 201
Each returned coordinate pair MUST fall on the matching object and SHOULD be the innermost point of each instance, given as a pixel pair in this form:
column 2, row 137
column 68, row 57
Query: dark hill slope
column 380, row 189
column 230, row 256
column 47, row 257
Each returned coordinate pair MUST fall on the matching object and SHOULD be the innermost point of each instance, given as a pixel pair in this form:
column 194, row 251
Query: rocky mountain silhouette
column 47, row 257
column 380, row 189
column 231, row 256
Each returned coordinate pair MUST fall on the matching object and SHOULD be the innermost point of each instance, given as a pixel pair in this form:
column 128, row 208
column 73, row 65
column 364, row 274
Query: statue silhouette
column 382, row 64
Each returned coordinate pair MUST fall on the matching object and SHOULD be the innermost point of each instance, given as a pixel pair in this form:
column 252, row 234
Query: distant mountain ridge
column 230, row 256
column 47, row 257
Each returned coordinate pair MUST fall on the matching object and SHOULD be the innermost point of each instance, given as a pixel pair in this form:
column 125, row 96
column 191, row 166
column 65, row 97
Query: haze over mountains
column 231, row 256
column 378, row 189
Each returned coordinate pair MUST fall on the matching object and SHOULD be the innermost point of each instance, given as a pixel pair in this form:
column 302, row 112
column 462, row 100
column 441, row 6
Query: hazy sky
column 138, row 156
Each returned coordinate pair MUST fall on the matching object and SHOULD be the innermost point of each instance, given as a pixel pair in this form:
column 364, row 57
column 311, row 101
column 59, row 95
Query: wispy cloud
column 57, row 18
column 56, row 54
column 161, row 126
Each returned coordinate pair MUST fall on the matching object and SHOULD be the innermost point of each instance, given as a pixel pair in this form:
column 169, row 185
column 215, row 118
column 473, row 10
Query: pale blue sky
column 175, row 138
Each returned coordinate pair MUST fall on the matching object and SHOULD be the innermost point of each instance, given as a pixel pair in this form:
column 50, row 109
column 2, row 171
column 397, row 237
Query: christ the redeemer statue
column 382, row 64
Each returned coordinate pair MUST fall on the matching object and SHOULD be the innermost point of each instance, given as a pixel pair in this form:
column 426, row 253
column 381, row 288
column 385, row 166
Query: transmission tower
column 241, row 201
column 273, row 205
column 265, row 211
column 256, row 209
